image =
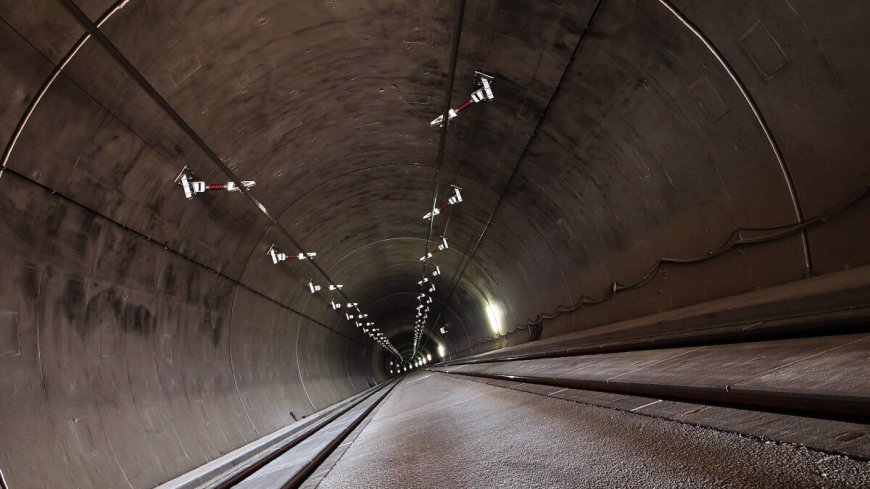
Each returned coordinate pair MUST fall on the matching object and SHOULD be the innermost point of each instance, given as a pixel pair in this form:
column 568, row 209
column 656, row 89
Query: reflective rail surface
column 293, row 462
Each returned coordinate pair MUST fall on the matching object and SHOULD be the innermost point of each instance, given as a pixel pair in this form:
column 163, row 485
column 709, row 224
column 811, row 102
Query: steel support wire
column 739, row 238
column 155, row 96
column 510, row 180
column 173, row 251
column 762, row 123
column 439, row 157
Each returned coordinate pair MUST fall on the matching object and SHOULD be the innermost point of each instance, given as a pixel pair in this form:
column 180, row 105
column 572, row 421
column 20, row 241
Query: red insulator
column 463, row 106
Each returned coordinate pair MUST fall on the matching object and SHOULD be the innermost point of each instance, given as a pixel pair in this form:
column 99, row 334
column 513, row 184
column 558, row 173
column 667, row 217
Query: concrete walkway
column 447, row 432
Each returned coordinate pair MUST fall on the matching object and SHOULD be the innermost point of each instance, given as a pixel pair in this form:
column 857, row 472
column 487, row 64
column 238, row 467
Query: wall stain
column 138, row 319
column 72, row 301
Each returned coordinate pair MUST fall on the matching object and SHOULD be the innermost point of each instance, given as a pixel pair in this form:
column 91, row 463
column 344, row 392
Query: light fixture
column 493, row 313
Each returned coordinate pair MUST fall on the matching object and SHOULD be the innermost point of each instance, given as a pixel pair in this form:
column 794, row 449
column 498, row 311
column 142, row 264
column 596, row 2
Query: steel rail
column 236, row 477
column 300, row 477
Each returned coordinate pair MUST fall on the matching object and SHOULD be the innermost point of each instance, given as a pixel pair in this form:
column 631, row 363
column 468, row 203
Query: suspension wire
column 507, row 187
column 439, row 158
column 176, row 252
column 155, row 96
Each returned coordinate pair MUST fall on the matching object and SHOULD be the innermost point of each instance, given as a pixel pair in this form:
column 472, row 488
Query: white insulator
column 232, row 187
column 443, row 246
column 456, row 197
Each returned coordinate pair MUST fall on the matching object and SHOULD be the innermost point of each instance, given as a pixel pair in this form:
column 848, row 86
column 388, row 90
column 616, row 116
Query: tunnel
column 652, row 231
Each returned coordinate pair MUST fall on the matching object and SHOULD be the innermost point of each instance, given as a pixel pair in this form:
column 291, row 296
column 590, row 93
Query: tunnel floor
column 436, row 430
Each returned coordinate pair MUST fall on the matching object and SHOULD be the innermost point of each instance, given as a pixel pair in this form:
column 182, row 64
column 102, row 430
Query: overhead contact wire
column 155, row 96
column 439, row 157
column 470, row 256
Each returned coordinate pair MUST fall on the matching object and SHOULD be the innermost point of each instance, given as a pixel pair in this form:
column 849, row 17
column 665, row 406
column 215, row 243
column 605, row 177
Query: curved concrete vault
column 144, row 334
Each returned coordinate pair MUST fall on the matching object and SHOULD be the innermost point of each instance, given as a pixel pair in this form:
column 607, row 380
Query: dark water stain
column 138, row 319
column 72, row 303
column 79, row 242
column 192, row 286
column 169, row 280
column 128, row 255
column 104, row 307
column 30, row 282
column 210, row 324
column 53, row 220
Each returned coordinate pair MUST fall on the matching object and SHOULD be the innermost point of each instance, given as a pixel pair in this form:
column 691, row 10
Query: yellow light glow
column 442, row 352
column 493, row 312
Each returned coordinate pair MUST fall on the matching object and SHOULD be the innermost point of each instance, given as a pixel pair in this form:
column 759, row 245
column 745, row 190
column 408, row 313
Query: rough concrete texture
column 841, row 437
column 424, row 434
column 142, row 335
column 828, row 365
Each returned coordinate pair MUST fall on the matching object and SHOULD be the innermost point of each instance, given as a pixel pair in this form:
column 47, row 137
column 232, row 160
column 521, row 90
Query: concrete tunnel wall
column 143, row 335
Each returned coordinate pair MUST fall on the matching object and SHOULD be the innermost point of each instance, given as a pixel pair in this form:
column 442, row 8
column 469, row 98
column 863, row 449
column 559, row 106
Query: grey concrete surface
column 823, row 365
column 829, row 436
column 142, row 335
column 424, row 435
column 831, row 365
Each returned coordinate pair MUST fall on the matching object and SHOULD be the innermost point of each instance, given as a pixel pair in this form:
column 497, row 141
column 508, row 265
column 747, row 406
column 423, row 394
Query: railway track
column 292, row 462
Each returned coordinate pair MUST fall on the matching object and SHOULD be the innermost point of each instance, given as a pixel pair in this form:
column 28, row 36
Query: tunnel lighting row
column 482, row 93
column 424, row 302
column 191, row 186
column 416, row 362
column 186, row 179
column 353, row 311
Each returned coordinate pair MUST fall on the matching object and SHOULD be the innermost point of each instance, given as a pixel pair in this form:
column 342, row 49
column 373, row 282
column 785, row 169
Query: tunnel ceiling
column 655, row 132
